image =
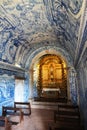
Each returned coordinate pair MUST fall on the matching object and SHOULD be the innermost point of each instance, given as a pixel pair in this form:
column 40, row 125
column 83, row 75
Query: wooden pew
column 67, row 117
column 6, row 110
column 24, row 106
column 4, row 123
column 64, row 126
column 67, row 113
column 68, row 107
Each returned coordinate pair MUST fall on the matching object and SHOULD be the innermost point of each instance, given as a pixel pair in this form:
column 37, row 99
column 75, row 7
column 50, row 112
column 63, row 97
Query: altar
column 50, row 92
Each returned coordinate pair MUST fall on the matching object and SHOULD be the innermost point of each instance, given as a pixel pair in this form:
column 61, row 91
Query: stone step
column 45, row 105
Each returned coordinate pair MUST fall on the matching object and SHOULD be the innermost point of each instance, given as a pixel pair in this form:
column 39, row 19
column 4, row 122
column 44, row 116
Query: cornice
column 11, row 67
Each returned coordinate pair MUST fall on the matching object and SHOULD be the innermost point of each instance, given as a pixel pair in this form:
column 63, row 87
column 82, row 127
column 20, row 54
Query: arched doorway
column 50, row 77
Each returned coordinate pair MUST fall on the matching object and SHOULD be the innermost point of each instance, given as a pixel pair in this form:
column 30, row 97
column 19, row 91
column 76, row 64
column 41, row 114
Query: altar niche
column 52, row 77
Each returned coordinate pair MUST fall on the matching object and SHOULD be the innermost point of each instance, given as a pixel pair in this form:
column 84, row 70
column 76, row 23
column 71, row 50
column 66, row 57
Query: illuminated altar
column 51, row 89
column 51, row 77
column 50, row 92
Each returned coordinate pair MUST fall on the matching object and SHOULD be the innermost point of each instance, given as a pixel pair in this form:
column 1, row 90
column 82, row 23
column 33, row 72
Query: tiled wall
column 6, row 90
column 73, row 86
column 82, row 87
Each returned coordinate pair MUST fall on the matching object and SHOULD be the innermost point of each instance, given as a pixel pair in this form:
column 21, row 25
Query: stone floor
column 38, row 120
column 42, row 114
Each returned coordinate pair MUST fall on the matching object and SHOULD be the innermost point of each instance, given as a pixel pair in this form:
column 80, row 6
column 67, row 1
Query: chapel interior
column 43, row 57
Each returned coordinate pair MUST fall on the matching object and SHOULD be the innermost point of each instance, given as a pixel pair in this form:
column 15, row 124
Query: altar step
column 45, row 105
column 52, row 100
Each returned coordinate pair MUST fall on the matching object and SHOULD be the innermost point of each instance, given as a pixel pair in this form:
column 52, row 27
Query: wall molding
column 11, row 69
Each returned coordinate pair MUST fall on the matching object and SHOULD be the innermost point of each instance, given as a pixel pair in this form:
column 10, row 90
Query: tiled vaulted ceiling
column 26, row 23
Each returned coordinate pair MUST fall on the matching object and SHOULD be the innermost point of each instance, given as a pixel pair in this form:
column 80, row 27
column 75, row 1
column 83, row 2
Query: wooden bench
column 67, row 113
column 67, row 117
column 64, row 126
column 6, row 110
column 68, row 107
column 4, row 123
column 24, row 106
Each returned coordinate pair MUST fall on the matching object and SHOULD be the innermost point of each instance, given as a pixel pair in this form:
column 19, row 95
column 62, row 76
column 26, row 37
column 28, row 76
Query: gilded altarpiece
column 52, row 77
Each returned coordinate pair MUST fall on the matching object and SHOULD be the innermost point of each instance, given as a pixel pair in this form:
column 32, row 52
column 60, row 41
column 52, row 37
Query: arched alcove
column 50, row 77
column 35, row 58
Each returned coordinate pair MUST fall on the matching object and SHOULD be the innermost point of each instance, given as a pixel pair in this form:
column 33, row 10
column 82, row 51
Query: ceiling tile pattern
column 64, row 17
column 26, row 22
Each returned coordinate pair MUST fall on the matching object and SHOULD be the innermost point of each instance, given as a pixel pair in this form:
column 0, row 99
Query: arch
column 37, row 54
column 26, row 53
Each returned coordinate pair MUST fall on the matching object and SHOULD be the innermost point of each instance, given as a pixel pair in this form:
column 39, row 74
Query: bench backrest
column 23, row 105
column 6, row 109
